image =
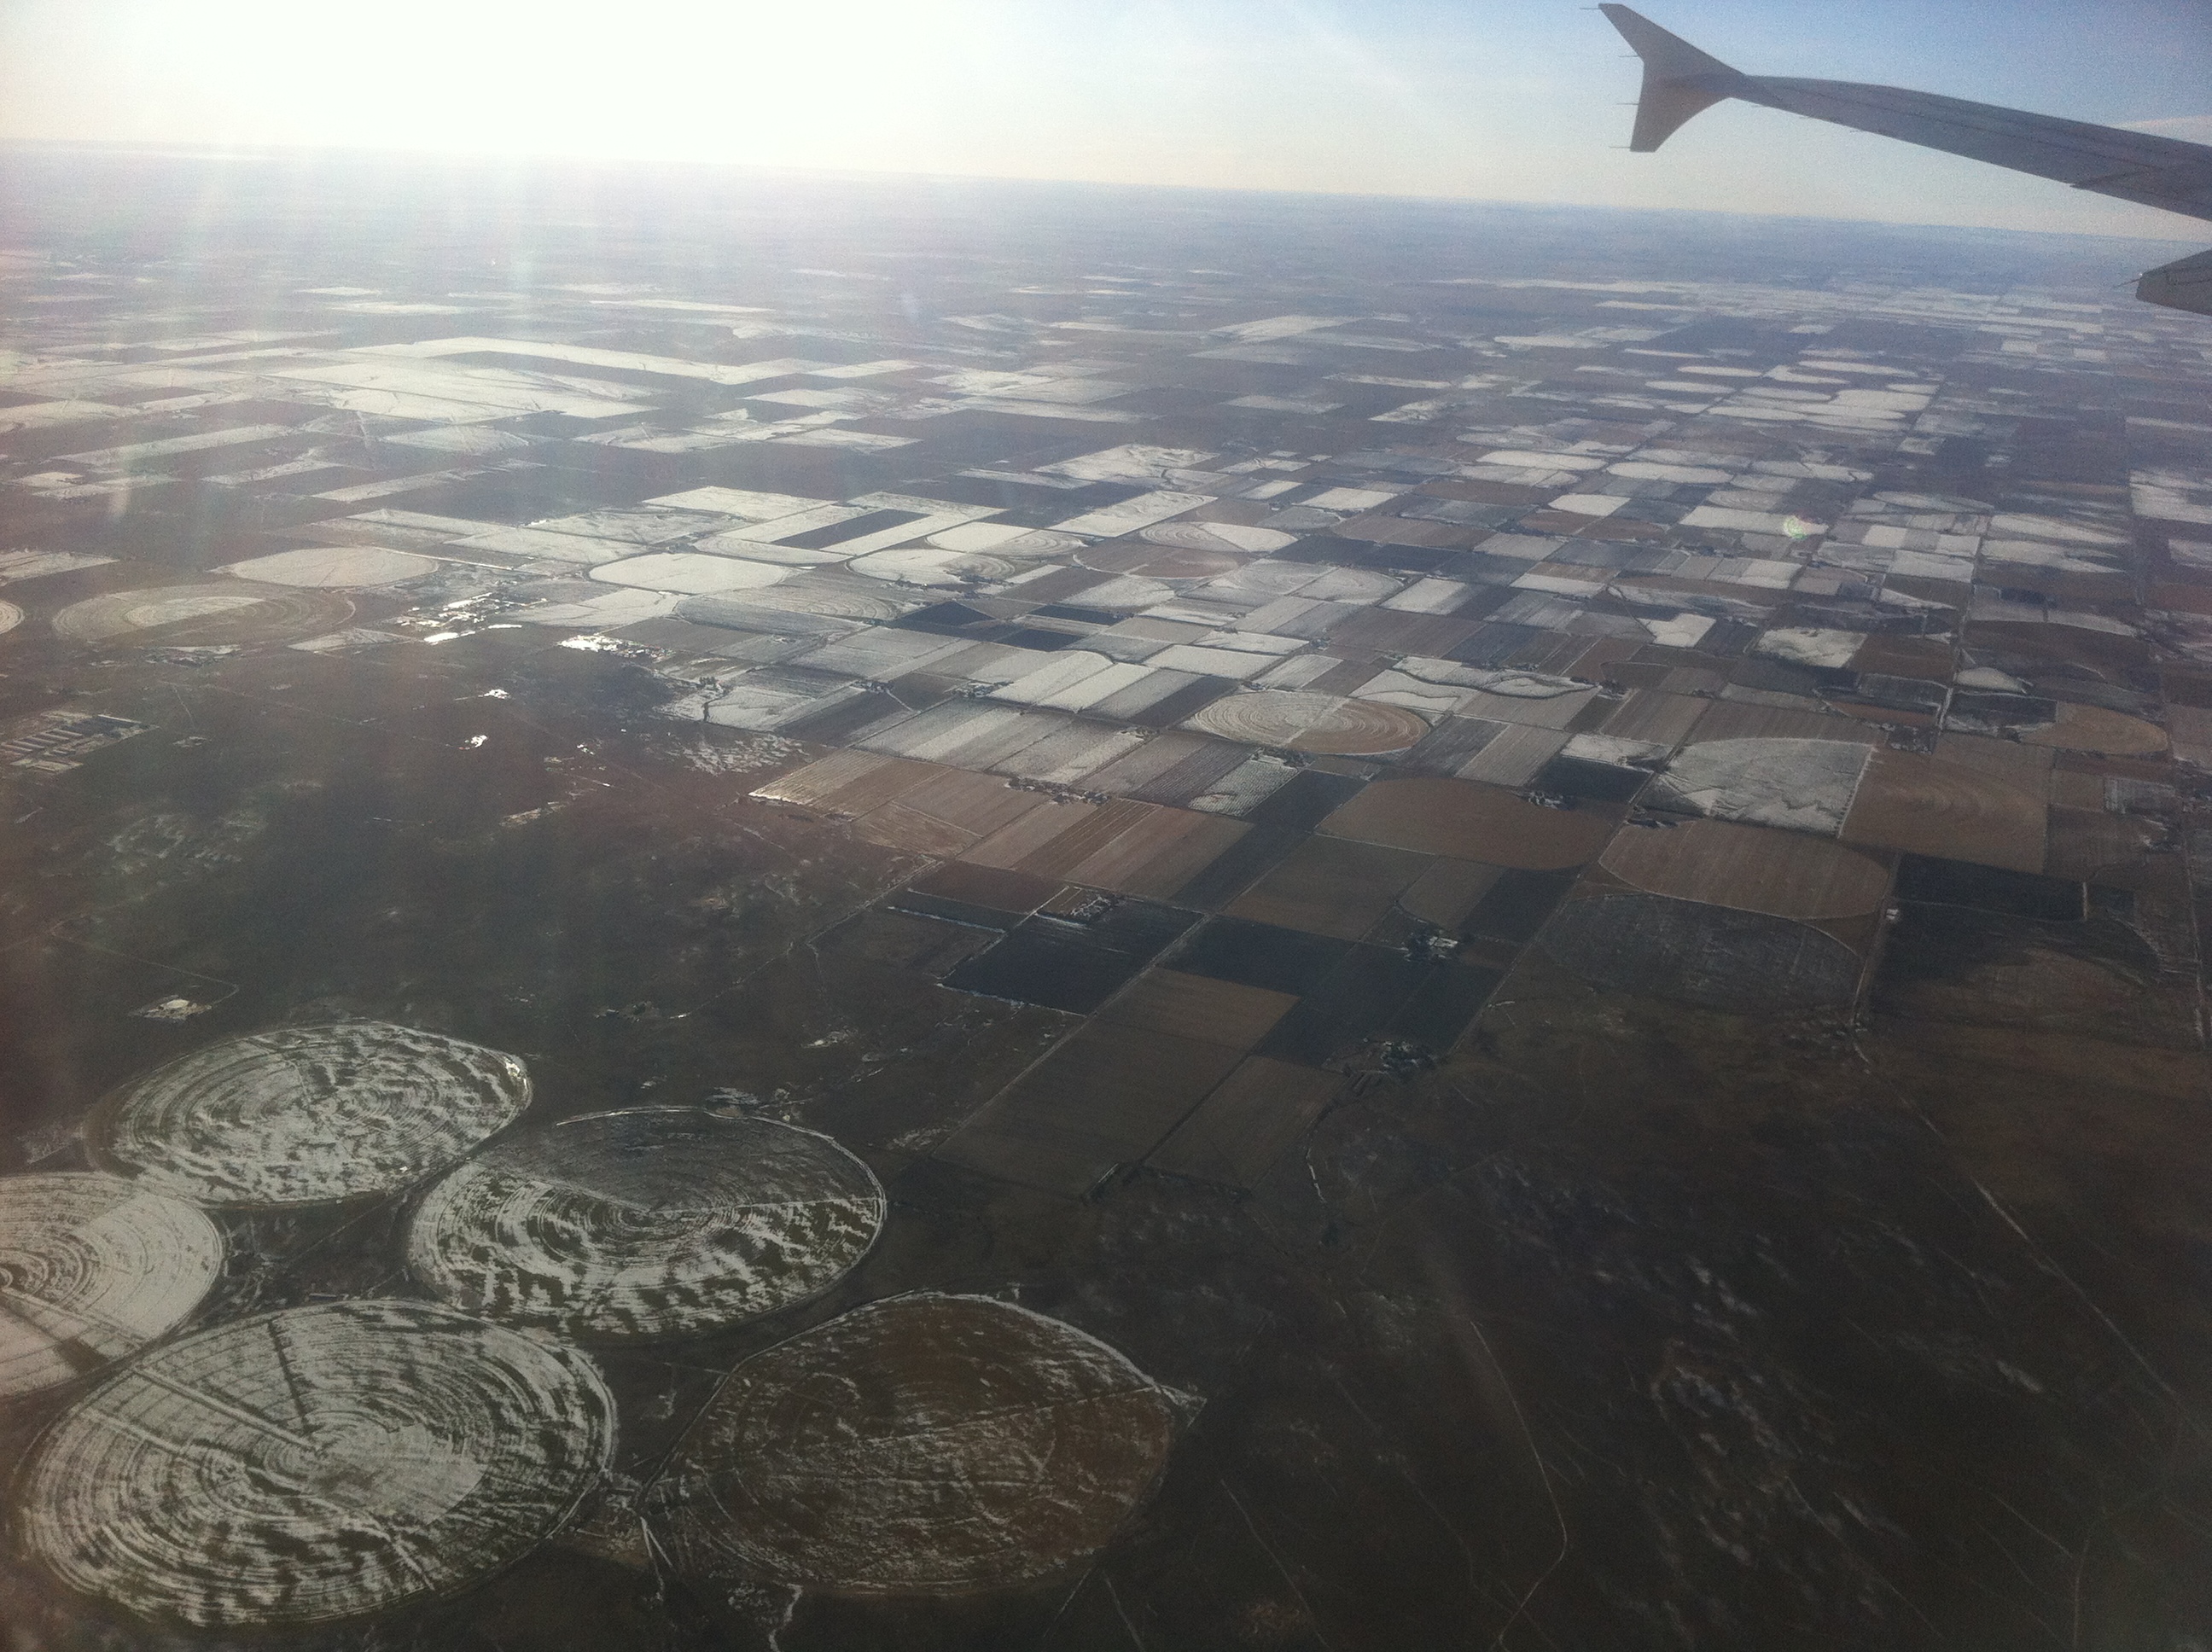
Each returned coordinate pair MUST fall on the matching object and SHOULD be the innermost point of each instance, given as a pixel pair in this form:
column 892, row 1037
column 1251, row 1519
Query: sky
column 1488, row 100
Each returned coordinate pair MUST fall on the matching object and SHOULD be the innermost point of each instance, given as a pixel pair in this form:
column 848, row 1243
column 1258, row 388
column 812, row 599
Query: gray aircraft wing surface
column 1680, row 81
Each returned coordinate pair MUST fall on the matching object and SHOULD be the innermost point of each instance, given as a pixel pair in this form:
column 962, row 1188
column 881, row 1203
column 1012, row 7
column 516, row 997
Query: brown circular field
column 651, row 1222
column 318, row 1464
column 1755, row 869
column 2099, row 729
column 1293, row 720
column 92, row 1268
column 299, row 1116
column 924, row 1444
column 1469, row 821
column 1930, row 806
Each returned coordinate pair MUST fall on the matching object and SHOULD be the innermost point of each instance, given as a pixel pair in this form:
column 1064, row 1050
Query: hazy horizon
column 1480, row 101
column 418, row 164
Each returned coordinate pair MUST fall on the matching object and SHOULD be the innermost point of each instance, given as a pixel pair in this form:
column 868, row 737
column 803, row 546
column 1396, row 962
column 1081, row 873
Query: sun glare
column 1483, row 98
column 767, row 83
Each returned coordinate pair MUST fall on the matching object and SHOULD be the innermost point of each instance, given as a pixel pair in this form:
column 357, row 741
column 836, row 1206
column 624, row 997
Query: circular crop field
column 316, row 1464
column 92, row 1268
column 653, row 1222
column 1157, row 561
column 298, row 1115
column 925, row 1443
column 1293, row 720
column 201, row 615
column 336, row 568
column 1232, row 538
column 921, row 565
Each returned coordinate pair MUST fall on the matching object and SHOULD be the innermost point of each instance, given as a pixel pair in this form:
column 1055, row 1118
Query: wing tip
column 2185, row 284
column 1678, row 80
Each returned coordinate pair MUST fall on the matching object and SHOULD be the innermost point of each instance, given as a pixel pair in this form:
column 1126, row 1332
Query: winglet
column 1678, row 80
column 2185, row 284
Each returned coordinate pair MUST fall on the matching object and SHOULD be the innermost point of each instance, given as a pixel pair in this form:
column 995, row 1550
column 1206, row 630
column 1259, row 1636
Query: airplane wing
column 1680, row 81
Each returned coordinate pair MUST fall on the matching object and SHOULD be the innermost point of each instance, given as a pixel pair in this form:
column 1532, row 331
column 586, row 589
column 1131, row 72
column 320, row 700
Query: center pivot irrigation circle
column 92, row 1268
column 316, row 1464
column 925, row 1444
column 235, row 611
column 343, row 568
column 1294, row 719
column 298, row 1115
column 651, row 1222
